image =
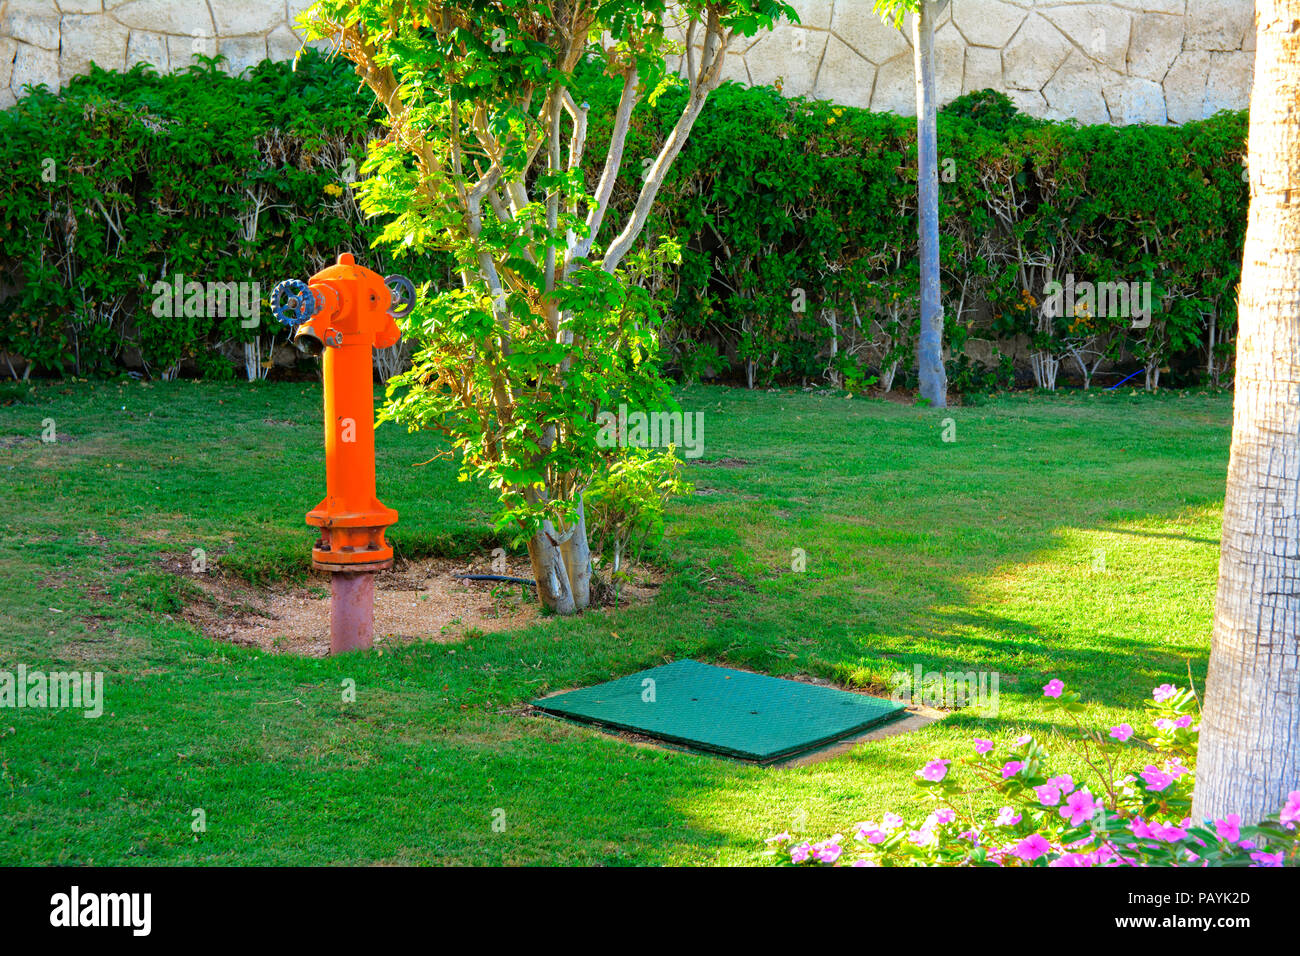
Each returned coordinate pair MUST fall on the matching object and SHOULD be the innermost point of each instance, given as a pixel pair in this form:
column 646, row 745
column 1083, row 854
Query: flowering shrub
column 1135, row 816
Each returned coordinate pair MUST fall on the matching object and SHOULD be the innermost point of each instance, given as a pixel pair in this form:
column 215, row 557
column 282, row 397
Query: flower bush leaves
column 1133, row 809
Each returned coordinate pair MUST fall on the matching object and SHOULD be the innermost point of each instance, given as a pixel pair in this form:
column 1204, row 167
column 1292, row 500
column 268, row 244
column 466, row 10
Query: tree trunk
column 835, row 378
column 1211, row 373
column 929, row 348
column 554, row 589
column 1152, row 373
column 562, row 565
column 577, row 558
column 1250, row 731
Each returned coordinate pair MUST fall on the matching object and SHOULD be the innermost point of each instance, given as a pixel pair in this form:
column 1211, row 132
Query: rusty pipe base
column 352, row 612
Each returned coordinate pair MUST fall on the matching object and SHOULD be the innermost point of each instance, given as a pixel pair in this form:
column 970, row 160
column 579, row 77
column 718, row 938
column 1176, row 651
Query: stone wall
column 51, row 41
column 1118, row 61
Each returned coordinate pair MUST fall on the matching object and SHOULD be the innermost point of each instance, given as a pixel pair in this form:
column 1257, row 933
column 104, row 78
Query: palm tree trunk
column 1250, row 732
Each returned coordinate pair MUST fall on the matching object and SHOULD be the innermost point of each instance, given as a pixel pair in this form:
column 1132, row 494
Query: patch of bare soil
column 16, row 441
column 728, row 462
column 417, row 601
column 901, row 396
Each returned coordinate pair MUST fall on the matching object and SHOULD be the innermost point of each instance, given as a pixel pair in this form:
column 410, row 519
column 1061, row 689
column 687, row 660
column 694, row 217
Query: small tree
column 487, row 129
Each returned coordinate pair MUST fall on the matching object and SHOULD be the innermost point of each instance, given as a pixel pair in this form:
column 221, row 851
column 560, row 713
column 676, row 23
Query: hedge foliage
column 797, row 217
column 799, row 221
column 124, row 180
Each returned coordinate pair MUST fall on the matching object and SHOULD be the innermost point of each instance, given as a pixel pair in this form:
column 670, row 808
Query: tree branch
column 613, row 162
column 710, row 75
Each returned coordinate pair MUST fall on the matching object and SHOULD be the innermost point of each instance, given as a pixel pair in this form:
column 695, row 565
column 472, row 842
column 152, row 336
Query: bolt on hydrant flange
column 343, row 313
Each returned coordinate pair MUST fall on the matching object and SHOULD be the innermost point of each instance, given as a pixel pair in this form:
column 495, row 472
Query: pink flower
column 891, row 821
column 863, row 863
column 970, row 835
column 1104, row 854
column 1064, row 781
column 828, row 851
column 1140, row 829
column 779, row 838
column 1170, row 834
column 1163, row 693
column 1007, row 818
column 1024, row 739
column 922, row 837
column 983, row 746
column 1156, row 779
column 870, row 832
column 1048, row 795
column 1031, row 848
column 1011, row 768
column 1183, row 721
column 942, row 816
column 1290, row 814
column 1079, row 806
column 1267, row 859
column 1121, row 732
column 1176, row 770
column 1229, row 828
column 800, row 852
column 1053, row 688
column 934, row 771
column 1073, row 859
column 1163, row 723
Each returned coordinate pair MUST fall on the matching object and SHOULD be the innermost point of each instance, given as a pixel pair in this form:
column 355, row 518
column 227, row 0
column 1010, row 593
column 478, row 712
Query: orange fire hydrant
column 343, row 313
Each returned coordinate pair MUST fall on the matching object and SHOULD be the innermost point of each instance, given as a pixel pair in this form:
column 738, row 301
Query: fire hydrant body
column 342, row 315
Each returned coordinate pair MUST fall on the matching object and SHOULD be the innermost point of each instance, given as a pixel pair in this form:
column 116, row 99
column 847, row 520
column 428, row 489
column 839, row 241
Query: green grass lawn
column 1071, row 536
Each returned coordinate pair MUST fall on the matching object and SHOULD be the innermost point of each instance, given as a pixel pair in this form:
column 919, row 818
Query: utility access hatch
column 723, row 711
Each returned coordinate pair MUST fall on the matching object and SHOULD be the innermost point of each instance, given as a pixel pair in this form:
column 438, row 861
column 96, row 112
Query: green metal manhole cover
column 724, row 711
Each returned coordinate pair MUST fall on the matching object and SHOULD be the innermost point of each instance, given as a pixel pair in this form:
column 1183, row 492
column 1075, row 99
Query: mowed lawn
column 1071, row 536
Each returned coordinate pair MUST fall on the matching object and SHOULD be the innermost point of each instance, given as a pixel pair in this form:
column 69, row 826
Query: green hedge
column 798, row 219
column 123, row 180
column 787, row 202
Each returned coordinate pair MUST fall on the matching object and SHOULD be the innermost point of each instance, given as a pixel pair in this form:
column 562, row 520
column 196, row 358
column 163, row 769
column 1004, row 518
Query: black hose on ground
column 494, row 577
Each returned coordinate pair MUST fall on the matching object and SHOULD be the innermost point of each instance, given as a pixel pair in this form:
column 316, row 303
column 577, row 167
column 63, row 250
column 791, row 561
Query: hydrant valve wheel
column 293, row 302
column 402, row 291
